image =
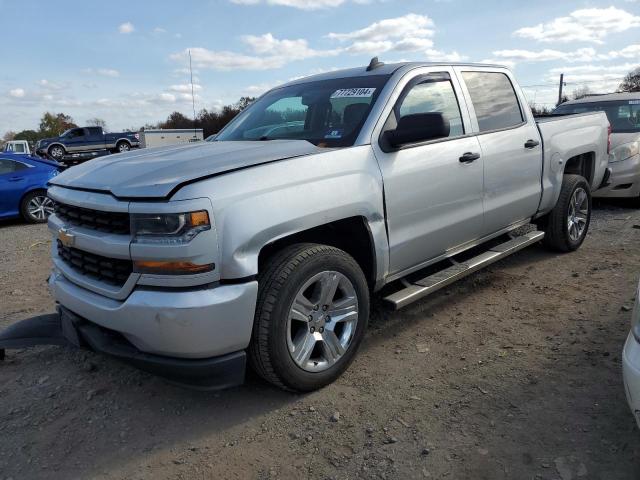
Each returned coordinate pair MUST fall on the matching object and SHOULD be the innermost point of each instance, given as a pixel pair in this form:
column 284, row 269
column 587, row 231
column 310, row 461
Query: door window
column 7, row 166
column 75, row 133
column 433, row 96
column 494, row 100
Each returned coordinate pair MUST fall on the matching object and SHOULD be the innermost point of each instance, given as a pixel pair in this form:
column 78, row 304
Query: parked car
column 23, row 187
column 623, row 111
column 188, row 260
column 17, row 146
column 631, row 361
column 87, row 139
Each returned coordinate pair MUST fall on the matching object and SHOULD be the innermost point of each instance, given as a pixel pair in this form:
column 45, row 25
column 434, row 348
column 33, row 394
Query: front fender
column 260, row 205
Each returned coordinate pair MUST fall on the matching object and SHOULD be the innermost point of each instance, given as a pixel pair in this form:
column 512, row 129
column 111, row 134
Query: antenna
column 374, row 63
column 193, row 99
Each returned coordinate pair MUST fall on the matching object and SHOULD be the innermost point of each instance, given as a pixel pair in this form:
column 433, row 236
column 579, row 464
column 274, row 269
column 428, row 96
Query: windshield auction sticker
column 353, row 93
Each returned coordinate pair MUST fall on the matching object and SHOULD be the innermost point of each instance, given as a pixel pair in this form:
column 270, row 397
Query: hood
column 622, row 138
column 156, row 172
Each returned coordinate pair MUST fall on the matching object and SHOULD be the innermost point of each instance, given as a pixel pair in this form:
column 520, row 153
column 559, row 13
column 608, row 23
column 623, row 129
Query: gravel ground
column 513, row 373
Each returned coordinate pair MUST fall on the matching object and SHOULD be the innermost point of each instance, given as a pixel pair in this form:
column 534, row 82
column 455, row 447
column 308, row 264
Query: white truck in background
column 170, row 136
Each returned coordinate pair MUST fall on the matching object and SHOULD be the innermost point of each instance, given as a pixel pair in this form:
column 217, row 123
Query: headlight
column 168, row 228
column 622, row 152
column 635, row 316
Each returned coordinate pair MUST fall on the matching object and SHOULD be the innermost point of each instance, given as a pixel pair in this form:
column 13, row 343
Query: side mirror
column 418, row 127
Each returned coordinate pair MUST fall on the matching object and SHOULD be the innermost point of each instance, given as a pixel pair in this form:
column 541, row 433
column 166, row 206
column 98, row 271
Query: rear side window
column 494, row 100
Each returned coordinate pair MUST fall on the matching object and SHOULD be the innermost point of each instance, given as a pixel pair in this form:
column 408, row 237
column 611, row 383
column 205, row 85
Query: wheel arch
column 352, row 234
column 58, row 144
column 582, row 164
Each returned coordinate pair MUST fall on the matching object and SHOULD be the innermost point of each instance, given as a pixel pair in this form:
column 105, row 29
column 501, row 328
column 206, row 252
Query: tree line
column 211, row 121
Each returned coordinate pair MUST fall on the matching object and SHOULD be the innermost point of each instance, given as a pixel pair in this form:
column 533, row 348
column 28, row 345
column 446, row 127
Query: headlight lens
column 622, row 152
column 635, row 316
column 168, row 228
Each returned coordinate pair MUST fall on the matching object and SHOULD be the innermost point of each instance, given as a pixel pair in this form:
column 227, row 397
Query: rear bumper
column 624, row 181
column 184, row 323
column 631, row 374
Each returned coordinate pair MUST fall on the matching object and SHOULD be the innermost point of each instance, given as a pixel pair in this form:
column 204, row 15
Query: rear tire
column 36, row 207
column 566, row 226
column 122, row 147
column 311, row 316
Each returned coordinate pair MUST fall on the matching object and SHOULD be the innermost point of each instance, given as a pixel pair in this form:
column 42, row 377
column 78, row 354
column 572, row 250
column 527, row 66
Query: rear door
column 510, row 143
column 433, row 197
column 95, row 139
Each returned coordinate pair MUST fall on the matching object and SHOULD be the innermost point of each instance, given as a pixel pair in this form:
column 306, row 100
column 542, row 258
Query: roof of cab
column 607, row 97
column 382, row 69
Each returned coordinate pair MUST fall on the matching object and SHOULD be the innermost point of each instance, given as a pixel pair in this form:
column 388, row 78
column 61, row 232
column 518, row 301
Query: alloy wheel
column 578, row 214
column 40, row 207
column 322, row 321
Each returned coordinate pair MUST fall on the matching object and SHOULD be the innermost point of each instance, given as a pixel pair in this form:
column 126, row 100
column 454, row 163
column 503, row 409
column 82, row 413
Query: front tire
column 36, row 207
column 566, row 226
column 311, row 316
column 56, row 152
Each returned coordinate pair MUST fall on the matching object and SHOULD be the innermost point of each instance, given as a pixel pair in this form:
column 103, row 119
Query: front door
column 433, row 190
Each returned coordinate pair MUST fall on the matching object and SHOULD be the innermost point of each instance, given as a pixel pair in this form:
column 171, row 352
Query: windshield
column 327, row 113
column 623, row 115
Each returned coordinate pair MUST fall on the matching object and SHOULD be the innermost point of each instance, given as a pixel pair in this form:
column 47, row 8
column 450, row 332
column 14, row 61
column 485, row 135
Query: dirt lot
column 513, row 373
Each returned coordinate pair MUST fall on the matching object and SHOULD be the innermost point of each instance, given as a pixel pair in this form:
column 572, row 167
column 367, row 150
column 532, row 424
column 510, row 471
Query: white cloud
column 17, row 93
column 410, row 33
column 126, row 27
column 159, row 30
column 267, row 52
column 632, row 51
column 408, row 26
column 584, row 25
column 580, row 55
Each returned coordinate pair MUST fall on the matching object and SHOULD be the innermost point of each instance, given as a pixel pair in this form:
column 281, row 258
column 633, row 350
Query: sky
column 127, row 62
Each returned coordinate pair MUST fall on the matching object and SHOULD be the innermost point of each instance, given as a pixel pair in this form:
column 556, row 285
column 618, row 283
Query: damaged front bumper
column 67, row 329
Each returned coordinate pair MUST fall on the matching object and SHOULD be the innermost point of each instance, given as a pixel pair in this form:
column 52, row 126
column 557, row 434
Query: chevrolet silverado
column 267, row 243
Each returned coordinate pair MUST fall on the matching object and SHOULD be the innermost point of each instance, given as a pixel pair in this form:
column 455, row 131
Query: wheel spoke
column 344, row 310
column 302, row 308
column 303, row 348
column 329, row 285
column 332, row 347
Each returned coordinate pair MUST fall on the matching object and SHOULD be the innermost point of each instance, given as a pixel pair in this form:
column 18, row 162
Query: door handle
column 531, row 143
column 469, row 157
column 15, row 179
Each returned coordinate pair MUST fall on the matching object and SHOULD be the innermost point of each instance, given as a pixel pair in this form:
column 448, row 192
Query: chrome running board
column 432, row 283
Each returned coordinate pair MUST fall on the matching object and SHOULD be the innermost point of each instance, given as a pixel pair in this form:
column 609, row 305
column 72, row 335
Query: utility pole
column 560, row 89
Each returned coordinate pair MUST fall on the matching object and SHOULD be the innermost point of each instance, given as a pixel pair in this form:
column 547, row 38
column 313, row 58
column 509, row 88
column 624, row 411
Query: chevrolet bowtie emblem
column 66, row 238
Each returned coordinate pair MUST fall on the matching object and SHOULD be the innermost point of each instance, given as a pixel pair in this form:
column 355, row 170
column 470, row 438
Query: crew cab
column 268, row 242
column 86, row 139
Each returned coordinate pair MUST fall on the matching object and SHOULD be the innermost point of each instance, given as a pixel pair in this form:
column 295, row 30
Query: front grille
column 109, row 270
column 110, row 222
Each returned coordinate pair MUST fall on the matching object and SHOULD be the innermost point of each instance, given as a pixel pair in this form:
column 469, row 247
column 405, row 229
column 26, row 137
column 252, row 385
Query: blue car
column 23, row 187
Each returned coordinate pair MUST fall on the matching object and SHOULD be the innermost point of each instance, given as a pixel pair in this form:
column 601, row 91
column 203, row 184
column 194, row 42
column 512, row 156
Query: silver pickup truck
column 268, row 242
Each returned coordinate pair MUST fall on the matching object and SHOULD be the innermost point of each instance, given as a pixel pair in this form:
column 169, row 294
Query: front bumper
column 66, row 328
column 179, row 322
column 624, row 181
column 631, row 374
